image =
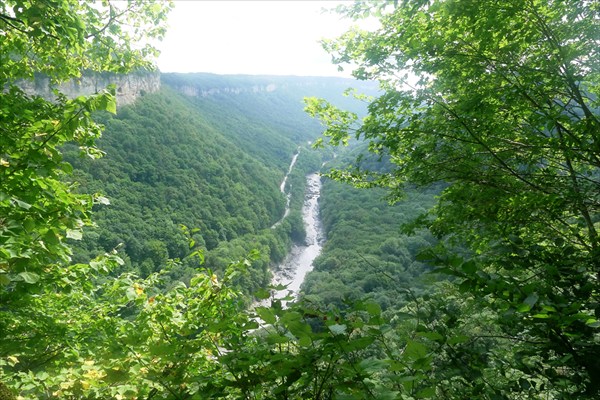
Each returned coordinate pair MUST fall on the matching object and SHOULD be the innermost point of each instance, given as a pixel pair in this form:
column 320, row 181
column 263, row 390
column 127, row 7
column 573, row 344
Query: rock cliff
column 195, row 91
column 128, row 87
column 206, row 84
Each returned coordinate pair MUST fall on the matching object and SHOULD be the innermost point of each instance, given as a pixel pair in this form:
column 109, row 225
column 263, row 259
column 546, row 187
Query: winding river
column 299, row 261
column 288, row 196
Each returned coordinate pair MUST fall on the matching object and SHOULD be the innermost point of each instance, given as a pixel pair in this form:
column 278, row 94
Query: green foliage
column 174, row 160
column 504, row 114
column 125, row 337
column 308, row 354
column 85, row 329
column 167, row 167
column 62, row 39
column 39, row 210
column 499, row 100
column 365, row 253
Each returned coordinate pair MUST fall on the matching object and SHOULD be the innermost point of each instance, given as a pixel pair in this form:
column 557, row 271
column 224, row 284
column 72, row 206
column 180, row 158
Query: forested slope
column 366, row 254
column 504, row 117
column 211, row 161
column 264, row 115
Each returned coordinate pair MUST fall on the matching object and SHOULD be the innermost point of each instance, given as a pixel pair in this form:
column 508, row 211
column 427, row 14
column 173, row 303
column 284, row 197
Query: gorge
column 292, row 271
column 141, row 225
column 219, row 163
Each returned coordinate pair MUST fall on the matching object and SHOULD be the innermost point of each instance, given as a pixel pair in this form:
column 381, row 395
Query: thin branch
column 113, row 17
column 9, row 21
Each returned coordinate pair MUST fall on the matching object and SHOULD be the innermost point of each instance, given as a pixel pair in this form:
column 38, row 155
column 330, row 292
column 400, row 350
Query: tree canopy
column 500, row 101
column 495, row 104
column 60, row 40
column 39, row 210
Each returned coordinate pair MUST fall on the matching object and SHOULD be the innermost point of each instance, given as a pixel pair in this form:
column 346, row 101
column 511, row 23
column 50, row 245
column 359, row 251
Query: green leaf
column 528, row 303
column 262, row 294
column 434, row 336
column 469, row 267
column 266, row 314
column 523, row 308
column 374, row 309
column 276, row 339
column 161, row 349
column 426, row 393
column 29, row 277
column 466, row 286
column 111, row 105
column 337, row 329
column 4, row 279
column 593, row 323
column 360, row 343
column 42, row 375
column 305, row 341
column 372, row 365
column 74, row 234
column 414, row 350
column 458, row 339
column 131, row 294
column 22, row 204
column 541, row 316
column 51, row 238
column 299, row 329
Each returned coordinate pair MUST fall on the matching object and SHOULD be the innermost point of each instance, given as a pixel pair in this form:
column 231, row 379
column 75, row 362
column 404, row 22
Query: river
column 288, row 196
column 299, row 261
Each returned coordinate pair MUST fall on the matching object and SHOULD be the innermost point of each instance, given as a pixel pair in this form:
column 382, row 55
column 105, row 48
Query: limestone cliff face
column 195, row 91
column 206, row 84
column 128, row 87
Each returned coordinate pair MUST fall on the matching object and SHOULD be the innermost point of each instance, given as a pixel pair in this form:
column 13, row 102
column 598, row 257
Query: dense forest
column 460, row 206
column 175, row 160
column 366, row 254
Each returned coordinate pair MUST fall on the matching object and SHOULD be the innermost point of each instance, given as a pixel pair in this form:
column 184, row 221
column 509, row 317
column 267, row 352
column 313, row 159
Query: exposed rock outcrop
column 195, row 91
column 128, row 87
column 206, row 84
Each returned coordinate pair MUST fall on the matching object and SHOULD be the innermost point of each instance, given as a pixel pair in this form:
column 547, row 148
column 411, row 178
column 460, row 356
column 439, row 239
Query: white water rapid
column 299, row 261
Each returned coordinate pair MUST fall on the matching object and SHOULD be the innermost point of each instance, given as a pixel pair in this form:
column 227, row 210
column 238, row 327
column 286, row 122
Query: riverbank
column 298, row 263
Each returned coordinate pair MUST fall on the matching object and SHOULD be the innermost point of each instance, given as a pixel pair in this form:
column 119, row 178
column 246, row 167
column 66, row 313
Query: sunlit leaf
column 29, row 277
column 337, row 329
column 74, row 234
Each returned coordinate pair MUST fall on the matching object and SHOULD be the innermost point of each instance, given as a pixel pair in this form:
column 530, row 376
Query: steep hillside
column 264, row 114
column 366, row 254
column 212, row 162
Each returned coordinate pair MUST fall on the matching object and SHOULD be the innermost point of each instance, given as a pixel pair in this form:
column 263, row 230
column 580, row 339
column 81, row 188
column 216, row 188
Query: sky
column 251, row 37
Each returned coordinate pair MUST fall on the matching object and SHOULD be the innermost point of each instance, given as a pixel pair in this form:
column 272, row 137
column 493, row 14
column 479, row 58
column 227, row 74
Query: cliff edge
column 128, row 87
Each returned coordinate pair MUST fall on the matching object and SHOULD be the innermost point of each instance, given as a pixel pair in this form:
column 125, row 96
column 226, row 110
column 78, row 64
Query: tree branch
column 9, row 21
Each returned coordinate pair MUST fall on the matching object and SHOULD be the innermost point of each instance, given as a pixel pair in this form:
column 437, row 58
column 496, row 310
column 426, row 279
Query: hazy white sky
column 251, row 37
